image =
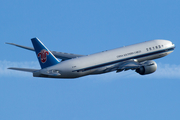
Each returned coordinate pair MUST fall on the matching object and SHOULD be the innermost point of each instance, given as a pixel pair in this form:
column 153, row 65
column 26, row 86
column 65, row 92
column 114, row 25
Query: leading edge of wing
column 60, row 55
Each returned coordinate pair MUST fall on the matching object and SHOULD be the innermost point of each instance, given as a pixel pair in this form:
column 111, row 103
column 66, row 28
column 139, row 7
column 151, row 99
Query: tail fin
column 45, row 57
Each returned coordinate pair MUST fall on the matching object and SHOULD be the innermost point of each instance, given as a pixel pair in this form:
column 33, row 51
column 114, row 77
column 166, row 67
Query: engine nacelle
column 147, row 69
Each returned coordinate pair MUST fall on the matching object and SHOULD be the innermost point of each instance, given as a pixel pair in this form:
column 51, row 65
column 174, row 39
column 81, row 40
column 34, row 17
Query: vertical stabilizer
column 45, row 57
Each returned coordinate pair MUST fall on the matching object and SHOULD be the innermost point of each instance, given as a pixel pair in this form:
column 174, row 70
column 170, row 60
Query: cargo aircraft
column 138, row 57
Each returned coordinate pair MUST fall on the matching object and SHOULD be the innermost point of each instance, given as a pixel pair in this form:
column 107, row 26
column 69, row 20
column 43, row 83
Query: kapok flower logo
column 43, row 54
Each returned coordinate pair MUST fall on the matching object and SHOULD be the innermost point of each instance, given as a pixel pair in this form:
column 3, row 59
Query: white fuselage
column 98, row 63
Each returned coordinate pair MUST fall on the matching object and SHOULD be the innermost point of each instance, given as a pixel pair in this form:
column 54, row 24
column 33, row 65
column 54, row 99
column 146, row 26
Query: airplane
column 138, row 57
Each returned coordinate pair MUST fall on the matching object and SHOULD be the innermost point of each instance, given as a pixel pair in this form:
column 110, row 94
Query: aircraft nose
column 173, row 46
column 170, row 44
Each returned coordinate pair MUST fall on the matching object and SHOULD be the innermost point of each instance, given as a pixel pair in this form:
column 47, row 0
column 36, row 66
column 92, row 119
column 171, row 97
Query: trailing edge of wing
column 60, row 55
column 24, row 69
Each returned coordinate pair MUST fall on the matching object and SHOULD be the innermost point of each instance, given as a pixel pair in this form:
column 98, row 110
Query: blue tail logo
column 43, row 55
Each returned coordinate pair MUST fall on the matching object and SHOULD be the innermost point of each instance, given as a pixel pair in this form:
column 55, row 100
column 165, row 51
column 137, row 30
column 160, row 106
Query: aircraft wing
column 121, row 66
column 60, row 55
column 128, row 65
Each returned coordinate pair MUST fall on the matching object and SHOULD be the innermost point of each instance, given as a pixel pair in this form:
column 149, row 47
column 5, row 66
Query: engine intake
column 149, row 68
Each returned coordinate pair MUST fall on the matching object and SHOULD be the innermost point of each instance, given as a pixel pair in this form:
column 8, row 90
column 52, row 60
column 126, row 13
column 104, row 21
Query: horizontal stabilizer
column 28, row 48
column 23, row 69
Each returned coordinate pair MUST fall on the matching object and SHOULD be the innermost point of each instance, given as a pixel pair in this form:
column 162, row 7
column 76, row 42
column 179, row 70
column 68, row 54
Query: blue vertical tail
column 45, row 57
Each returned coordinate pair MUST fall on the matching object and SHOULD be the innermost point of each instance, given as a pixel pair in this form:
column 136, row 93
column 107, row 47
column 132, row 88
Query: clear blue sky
column 86, row 27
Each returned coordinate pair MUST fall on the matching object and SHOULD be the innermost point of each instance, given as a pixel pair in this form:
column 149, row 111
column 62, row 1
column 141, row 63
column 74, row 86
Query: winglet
column 45, row 57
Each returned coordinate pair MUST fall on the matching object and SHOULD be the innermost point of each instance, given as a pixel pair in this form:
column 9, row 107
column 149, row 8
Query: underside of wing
column 60, row 55
column 131, row 64
column 128, row 65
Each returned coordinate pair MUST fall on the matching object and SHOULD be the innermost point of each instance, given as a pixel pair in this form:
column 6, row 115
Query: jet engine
column 148, row 68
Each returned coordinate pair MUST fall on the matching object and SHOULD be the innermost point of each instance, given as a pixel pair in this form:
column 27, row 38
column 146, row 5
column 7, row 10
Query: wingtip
column 10, row 68
column 8, row 43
